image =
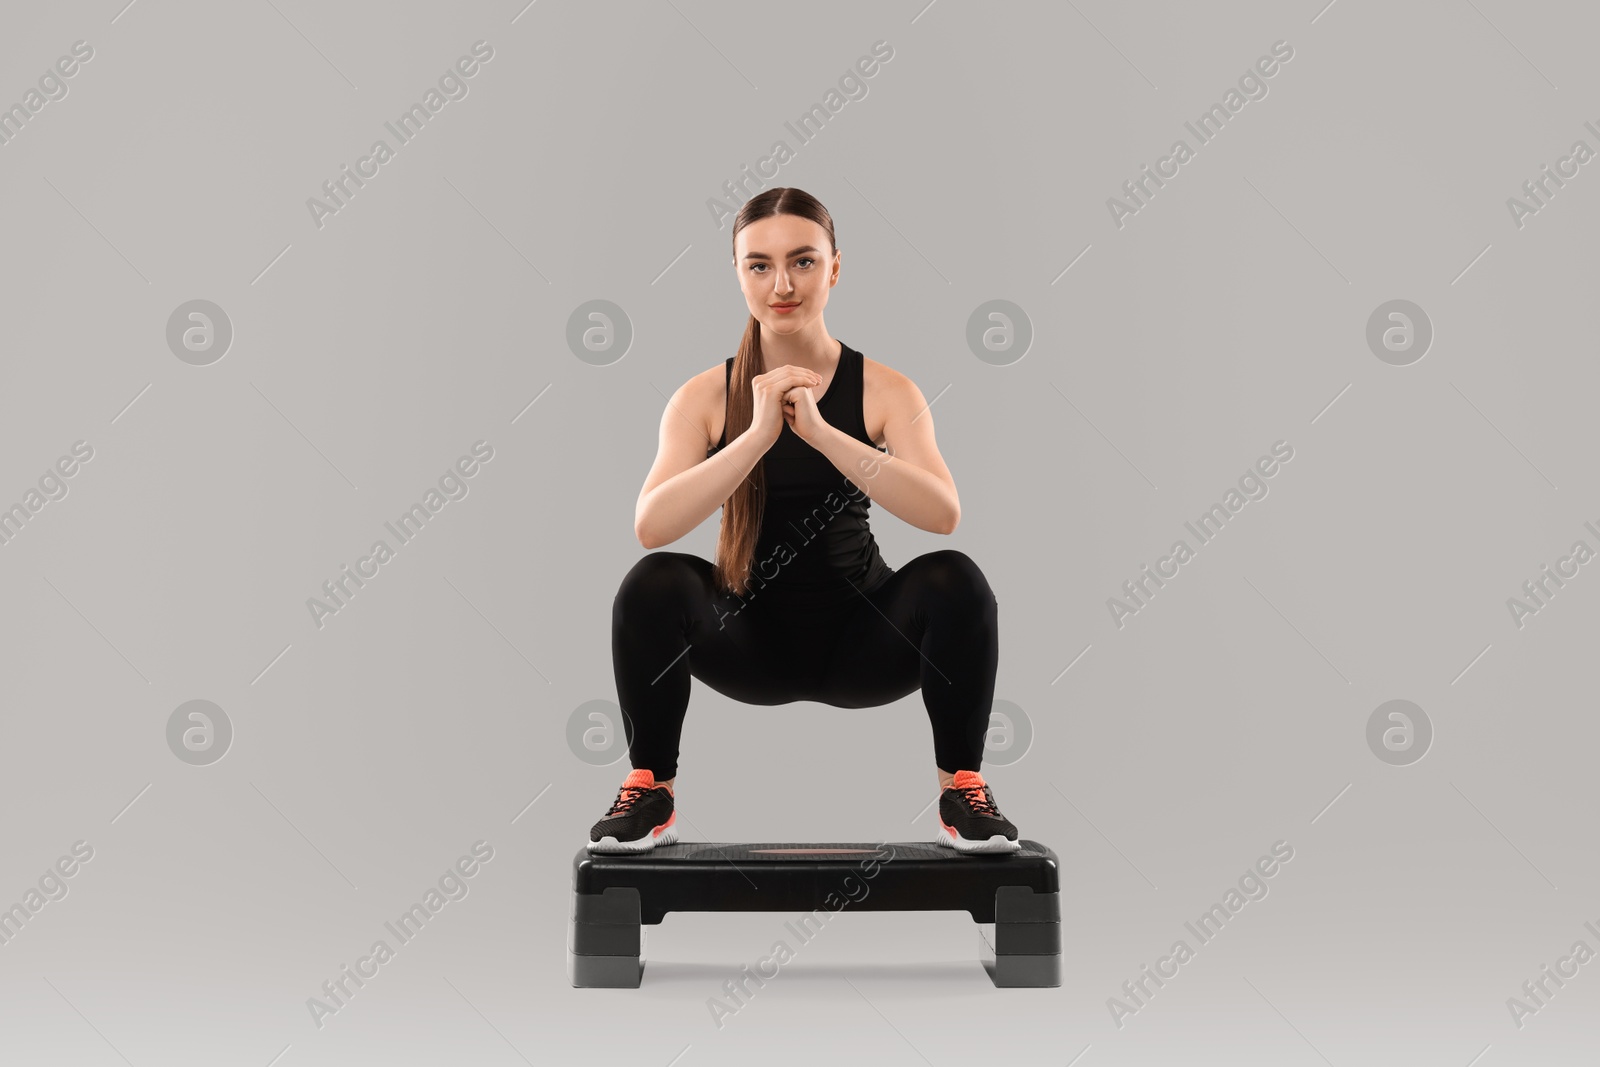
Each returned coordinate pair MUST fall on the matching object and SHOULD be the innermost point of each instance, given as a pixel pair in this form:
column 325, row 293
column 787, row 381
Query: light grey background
column 369, row 354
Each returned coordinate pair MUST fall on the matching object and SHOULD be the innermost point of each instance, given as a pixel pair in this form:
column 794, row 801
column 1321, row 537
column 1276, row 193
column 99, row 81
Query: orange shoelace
column 627, row 797
column 971, row 786
column 979, row 799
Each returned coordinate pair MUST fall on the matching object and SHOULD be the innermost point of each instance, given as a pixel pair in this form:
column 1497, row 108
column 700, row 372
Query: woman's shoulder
column 884, row 391
column 881, row 378
column 712, row 378
column 705, row 396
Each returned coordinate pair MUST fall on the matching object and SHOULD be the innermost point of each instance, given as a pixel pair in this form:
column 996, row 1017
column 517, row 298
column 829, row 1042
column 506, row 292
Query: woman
column 799, row 604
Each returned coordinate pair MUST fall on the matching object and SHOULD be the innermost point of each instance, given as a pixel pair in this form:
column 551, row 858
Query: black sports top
column 815, row 547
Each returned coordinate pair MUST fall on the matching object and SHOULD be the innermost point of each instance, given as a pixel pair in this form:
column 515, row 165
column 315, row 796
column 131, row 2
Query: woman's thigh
column 880, row 654
column 739, row 653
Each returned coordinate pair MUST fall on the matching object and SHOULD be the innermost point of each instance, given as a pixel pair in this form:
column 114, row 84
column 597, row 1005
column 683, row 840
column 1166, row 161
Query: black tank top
column 815, row 547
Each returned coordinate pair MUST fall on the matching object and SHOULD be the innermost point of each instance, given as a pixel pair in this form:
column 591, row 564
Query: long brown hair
column 741, row 514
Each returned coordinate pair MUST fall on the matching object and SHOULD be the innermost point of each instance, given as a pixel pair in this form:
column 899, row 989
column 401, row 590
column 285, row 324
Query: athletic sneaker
column 641, row 817
column 969, row 820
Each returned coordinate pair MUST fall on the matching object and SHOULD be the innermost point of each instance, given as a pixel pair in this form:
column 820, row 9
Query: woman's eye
column 756, row 267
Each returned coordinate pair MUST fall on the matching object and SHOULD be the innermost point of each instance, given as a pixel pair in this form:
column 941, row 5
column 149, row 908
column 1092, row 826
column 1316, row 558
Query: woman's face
column 785, row 259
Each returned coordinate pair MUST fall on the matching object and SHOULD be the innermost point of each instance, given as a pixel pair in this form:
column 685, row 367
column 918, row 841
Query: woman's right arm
column 685, row 485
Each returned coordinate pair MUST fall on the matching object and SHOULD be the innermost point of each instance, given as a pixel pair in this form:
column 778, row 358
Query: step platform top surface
column 835, row 854
column 779, row 875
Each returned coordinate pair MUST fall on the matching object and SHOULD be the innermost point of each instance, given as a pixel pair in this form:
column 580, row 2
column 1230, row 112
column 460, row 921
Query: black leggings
column 930, row 625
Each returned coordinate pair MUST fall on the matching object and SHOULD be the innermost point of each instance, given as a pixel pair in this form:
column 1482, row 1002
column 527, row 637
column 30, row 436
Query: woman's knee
column 659, row 579
column 956, row 577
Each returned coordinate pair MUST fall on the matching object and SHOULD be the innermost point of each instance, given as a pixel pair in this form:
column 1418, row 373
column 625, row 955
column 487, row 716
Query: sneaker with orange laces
column 642, row 817
column 969, row 820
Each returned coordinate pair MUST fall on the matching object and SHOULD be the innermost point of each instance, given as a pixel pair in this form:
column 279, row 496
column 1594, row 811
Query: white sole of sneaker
column 661, row 835
column 996, row 843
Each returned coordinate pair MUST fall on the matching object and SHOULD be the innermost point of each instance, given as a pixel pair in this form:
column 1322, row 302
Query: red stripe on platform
column 818, row 851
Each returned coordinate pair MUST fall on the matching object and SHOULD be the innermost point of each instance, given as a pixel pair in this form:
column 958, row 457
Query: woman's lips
column 784, row 309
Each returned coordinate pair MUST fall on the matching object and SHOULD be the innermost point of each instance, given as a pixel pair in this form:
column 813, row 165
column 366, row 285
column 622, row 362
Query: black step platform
column 615, row 894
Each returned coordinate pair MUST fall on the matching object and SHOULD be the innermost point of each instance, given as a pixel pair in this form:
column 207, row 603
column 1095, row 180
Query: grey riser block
column 604, row 972
column 1019, row 969
column 1017, row 904
column 1024, row 972
column 606, row 939
column 617, row 904
column 1023, row 939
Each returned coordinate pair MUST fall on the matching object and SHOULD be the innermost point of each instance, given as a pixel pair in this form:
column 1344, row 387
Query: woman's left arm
column 911, row 480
